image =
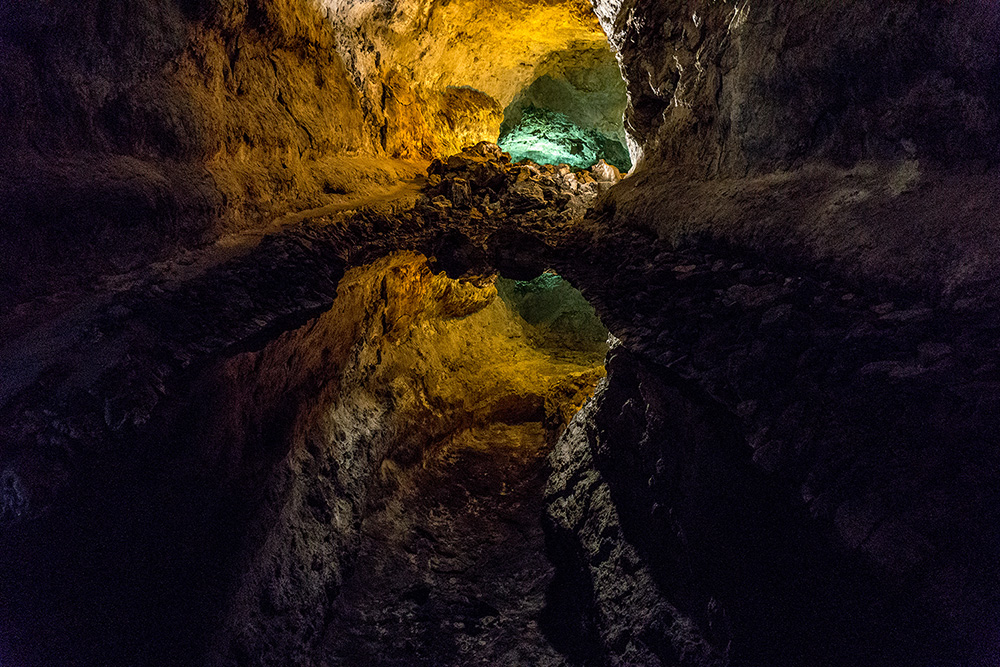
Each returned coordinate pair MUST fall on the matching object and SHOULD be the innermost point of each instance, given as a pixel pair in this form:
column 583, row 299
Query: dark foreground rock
column 780, row 469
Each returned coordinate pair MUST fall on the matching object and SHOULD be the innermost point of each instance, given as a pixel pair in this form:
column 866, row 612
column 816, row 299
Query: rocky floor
column 452, row 569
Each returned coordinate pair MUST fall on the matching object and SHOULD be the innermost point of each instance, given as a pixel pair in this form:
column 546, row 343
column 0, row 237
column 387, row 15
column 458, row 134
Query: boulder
column 608, row 173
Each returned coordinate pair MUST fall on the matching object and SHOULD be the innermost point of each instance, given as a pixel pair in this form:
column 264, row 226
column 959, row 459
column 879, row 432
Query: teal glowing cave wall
column 549, row 137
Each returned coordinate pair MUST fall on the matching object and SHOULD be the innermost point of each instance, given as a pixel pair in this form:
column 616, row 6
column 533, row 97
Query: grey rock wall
column 726, row 88
column 802, row 466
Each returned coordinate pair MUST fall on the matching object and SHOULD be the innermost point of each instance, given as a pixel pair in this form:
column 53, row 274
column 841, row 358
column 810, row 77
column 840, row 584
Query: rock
column 931, row 352
column 910, row 315
column 752, row 297
column 460, row 193
column 608, row 173
column 441, row 202
column 604, row 186
column 706, row 47
column 527, row 193
column 461, row 162
column 570, row 181
column 894, row 369
column 487, row 150
column 883, row 308
column 777, row 315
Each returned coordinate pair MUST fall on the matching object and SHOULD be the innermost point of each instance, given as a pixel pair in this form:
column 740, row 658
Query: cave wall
column 790, row 461
column 757, row 512
column 839, row 135
column 726, row 88
column 134, row 130
column 784, row 466
column 131, row 129
column 452, row 67
column 585, row 86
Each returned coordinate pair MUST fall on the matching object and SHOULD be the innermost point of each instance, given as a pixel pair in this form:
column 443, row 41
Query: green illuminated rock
column 547, row 137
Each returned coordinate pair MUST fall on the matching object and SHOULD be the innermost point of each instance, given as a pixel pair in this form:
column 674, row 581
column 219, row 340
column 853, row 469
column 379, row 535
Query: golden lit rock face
column 438, row 74
column 135, row 129
column 130, row 128
column 448, row 346
column 404, row 363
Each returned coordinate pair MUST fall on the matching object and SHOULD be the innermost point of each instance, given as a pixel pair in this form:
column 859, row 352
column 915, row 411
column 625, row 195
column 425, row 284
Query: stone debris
column 482, row 178
column 606, row 173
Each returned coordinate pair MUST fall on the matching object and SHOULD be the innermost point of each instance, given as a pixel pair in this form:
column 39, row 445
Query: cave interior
column 592, row 333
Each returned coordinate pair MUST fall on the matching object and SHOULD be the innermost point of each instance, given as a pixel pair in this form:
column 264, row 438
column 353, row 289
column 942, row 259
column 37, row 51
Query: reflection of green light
column 547, row 137
column 558, row 313
column 549, row 280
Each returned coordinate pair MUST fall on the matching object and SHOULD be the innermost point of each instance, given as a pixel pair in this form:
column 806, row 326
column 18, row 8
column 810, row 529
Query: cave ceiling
column 494, row 47
column 438, row 74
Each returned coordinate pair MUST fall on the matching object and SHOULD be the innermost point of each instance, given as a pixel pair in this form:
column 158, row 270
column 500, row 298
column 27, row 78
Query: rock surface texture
column 735, row 87
column 133, row 129
column 320, row 440
column 304, row 378
column 435, row 76
column 801, row 329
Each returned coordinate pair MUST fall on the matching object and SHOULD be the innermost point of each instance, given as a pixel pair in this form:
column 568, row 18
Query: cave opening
column 571, row 113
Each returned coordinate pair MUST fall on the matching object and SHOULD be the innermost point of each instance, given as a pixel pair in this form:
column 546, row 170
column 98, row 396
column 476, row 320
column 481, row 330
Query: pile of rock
column 481, row 181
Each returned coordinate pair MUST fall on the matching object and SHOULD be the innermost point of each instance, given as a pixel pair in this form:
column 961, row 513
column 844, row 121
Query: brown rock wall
column 133, row 128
